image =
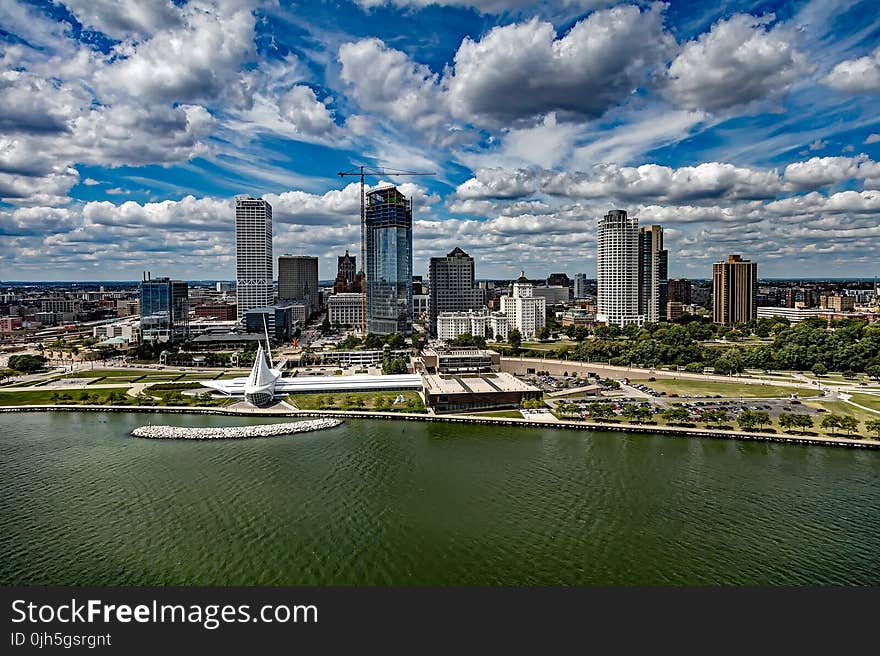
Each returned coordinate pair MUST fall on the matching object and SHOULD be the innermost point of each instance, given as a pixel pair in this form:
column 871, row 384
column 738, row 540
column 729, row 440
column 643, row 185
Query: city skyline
column 107, row 169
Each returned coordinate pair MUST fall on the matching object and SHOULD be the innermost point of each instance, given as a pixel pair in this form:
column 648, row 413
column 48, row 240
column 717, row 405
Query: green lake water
column 389, row 502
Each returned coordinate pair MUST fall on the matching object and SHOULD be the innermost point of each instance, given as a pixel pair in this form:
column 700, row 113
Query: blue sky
column 749, row 127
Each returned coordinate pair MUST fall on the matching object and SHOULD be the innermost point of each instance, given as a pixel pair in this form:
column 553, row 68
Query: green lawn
column 547, row 346
column 515, row 414
column 846, row 410
column 32, row 397
column 101, row 396
column 109, row 373
column 683, row 386
column 358, row 401
column 869, row 400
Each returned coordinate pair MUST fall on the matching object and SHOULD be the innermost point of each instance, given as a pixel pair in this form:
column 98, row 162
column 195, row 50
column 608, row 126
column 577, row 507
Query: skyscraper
column 617, row 269
column 388, row 237
column 653, row 263
column 253, row 253
column 580, row 285
column 164, row 310
column 734, row 290
column 452, row 286
column 298, row 280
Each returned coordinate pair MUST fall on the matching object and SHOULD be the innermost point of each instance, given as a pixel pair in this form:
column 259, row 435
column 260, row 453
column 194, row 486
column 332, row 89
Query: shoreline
column 781, row 438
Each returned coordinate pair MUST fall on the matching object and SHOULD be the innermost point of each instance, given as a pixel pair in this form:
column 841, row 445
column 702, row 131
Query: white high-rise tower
column 253, row 253
column 617, row 269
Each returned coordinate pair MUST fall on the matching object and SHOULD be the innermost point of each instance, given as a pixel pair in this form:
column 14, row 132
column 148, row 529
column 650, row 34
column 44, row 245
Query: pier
column 232, row 432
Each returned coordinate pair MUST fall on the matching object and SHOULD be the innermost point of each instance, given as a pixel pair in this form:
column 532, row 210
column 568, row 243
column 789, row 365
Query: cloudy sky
column 126, row 127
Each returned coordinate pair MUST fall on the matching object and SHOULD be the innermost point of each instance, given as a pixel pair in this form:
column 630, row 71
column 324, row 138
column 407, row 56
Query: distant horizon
column 329, row 282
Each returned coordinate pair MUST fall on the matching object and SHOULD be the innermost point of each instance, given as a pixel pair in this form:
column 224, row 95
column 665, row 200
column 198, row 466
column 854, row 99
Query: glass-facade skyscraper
column 164, row 306
column 388, row 237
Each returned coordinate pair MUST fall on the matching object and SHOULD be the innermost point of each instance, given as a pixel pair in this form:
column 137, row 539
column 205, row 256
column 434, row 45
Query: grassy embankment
column 375, row 401
column 697, row 388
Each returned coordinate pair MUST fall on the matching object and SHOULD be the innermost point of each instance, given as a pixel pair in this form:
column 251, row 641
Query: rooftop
column 482, row 384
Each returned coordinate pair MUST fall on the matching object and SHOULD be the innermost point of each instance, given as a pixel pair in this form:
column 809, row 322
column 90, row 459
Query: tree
column 849, row 424
column 543, row 333
column 27, row 364
column 873, row 426
column 373, row 342
column 600, row 410
column 804, row 422
column 831, row 422
column 676, row 414
column 394, row 366
column 631, row 412
column 873, row 371
column 762, row 418
column 746, row 420
column 819, row 369
column 514, row 338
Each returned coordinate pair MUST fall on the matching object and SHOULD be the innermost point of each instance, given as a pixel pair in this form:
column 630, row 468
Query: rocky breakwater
column 232, row 432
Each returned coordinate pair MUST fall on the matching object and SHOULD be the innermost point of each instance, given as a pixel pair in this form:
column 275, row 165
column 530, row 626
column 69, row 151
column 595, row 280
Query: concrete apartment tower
column 653, row 280
column 617, row 269
column 298, row 280
column 388, row 266
column 253, row 254
column 734, row 291
column 452, row 286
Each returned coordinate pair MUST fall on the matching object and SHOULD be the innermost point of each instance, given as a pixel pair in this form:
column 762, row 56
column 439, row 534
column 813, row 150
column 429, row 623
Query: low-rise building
column 460, row 360
column 479, row 323
column 345, row 309
column 454, row 393
column 578, row 317
column 217, row 310
column 129, row 330
column 794, row 315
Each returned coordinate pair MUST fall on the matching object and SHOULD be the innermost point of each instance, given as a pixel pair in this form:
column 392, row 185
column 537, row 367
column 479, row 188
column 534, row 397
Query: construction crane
column 360, row 172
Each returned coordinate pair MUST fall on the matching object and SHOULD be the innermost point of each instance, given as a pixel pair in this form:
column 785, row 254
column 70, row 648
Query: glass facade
column 388, row 228
column 164, row 306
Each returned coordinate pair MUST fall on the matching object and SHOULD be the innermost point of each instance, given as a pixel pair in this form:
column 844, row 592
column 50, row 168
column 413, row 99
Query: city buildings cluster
column 383, row 297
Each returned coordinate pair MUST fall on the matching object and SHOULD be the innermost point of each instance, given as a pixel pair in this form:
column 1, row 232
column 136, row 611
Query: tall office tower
column 617, row 269
column 388, row 270
column 346, row 270
column 452, row 286
column 253, row 254
column 653, row 263
column 734, row 290
column 164, row 310
column 298, row 280
column 679, row 290
column 525, row 311
column 580, row 285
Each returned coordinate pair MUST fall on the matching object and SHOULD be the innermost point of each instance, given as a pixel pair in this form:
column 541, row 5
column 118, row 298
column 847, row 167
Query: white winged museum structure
column 265, row 383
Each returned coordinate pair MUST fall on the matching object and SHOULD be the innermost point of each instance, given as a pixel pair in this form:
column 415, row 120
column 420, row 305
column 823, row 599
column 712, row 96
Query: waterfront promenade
column 284, row 410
